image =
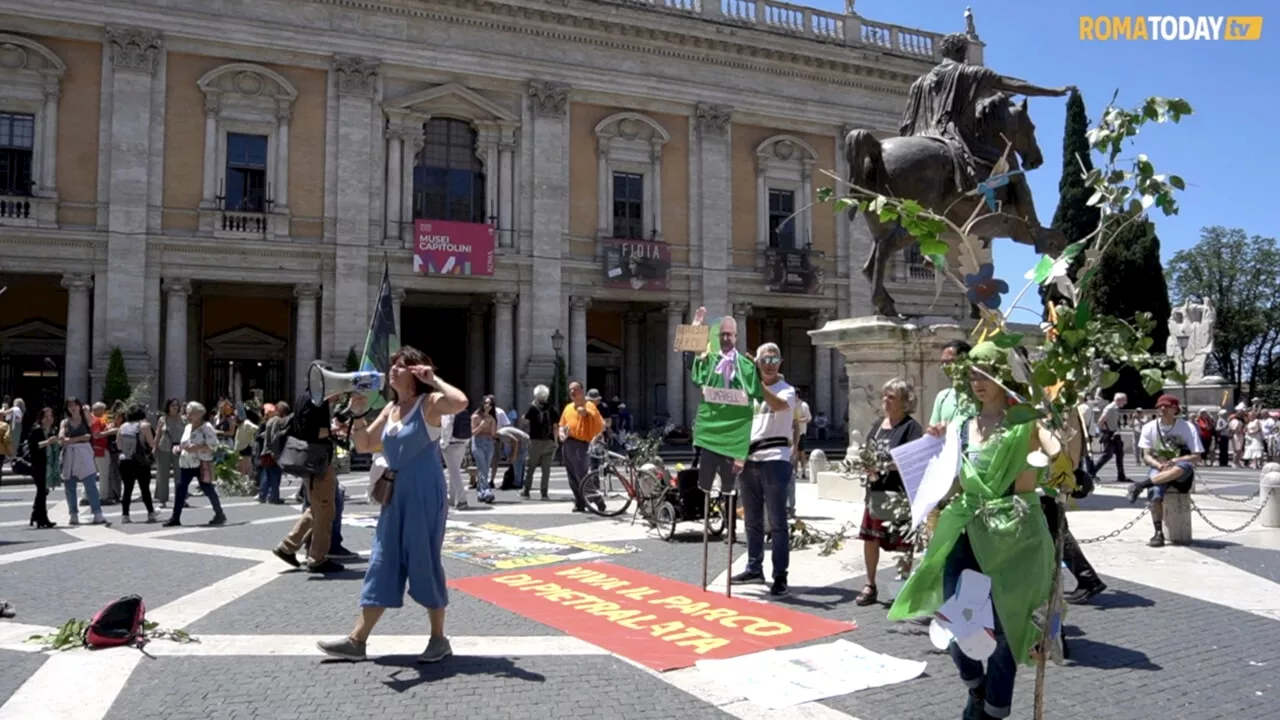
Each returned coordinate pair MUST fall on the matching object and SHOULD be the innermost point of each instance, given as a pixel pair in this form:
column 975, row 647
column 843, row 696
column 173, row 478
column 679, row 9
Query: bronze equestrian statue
column 958, row 122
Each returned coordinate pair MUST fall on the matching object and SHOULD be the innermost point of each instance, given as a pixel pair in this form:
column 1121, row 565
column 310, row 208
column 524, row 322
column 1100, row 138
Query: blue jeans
column 90, row 491
column 185, row 476
column 269, row 483
column 1182, row 484
column 522, row 457
column 482, row 450
column 996, row 682
column 763, row 488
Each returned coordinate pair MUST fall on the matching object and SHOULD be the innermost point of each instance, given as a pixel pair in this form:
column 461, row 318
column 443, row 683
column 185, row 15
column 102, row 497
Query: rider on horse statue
column 945, row 103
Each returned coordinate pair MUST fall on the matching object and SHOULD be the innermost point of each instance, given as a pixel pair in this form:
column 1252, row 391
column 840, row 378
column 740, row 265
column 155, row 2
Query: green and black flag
column 381, row 342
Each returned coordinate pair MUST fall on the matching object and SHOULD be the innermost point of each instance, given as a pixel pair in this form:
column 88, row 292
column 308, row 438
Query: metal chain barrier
column 1228, row 531
column 1251, row 498
column 1114, row 533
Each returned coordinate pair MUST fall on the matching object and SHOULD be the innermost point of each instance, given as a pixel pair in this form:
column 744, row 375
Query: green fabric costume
column 724, row 429
column 1009, row 537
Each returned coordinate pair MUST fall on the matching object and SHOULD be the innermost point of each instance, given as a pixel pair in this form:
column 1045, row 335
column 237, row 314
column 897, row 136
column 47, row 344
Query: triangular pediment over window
column 36, row 337
column 453, row 100
column 246, row 343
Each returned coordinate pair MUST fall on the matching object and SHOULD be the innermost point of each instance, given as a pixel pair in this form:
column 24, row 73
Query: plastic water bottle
column 1069, row 583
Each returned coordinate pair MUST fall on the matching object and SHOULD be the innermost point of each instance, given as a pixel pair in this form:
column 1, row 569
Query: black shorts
column 247, row 452
column 800, row 444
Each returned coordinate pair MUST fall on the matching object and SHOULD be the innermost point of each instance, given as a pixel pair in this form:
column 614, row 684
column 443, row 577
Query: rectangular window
column 17, row 143
column 628, row 206
column 246, row 173
column 782, row 224
column 916, row 267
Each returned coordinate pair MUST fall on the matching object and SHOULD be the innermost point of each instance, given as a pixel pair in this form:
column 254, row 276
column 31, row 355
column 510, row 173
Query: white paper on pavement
column 928, row 467
column 781, row 678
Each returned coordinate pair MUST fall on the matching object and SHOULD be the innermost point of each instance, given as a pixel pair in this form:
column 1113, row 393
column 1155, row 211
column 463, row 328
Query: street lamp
column 1183, row 341
column 557, row 342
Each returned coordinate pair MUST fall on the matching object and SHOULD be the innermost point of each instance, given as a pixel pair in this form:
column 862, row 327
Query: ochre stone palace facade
column 213, row 187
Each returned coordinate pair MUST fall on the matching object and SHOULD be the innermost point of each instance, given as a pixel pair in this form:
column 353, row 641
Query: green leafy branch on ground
column 72, row 635
column 802, row 535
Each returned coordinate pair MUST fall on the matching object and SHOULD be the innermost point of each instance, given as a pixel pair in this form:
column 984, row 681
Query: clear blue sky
column 1228, row 152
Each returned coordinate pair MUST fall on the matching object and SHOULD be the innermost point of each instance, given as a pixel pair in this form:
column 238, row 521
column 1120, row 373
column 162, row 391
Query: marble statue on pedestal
column 1193, row 319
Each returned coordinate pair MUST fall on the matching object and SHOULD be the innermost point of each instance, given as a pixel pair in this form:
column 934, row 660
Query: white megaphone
column 324, row 383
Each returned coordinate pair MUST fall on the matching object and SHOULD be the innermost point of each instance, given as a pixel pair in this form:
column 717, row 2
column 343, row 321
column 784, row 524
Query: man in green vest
column 729, row 382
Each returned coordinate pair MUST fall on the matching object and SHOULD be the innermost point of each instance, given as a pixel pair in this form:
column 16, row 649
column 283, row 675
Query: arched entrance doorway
column 243, row 363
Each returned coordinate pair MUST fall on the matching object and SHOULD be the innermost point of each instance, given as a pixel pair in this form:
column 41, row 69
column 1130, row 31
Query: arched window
column 448, row 177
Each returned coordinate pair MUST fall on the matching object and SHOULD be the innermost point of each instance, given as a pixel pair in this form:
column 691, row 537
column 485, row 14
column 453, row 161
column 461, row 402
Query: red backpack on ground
column 117, row 624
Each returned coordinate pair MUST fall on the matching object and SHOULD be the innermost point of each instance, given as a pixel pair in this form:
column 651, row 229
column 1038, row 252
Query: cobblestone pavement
column 1138, row 652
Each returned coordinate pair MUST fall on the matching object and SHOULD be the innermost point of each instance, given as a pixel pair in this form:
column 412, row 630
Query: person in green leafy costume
column 722, row 429
column 995, row 526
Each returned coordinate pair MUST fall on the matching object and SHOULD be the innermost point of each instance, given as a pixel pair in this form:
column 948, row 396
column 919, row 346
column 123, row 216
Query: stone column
column 76, row 361
column 413, row 142
column 487, row 147
column 280, row 188
column 135, row 55
column 48, row 171
column 397, row 300
column 675, row 363
column 211, row 108
column 548, row 108
column 504, row 349
column 771, row 332
column 631, row 352
column 357, row 83
column 716, row 232
column 821, row 369
column 395, row 151
column 656, row 198
column 804, row 219
column 176, row 291
column 762, row 214
column 304, row 335
column 742, row 311
column 506, row 188
column 578, row 338
column 476, row 360
column 604, row 223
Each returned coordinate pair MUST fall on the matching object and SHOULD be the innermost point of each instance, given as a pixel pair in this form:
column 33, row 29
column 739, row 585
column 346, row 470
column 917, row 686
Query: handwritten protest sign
column 692, row 338
column 725, row 396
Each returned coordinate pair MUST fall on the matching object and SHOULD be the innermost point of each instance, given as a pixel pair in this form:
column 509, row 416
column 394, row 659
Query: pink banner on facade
column 452, row 248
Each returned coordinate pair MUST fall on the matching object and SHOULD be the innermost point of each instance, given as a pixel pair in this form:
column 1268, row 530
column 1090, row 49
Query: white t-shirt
column 1110, row 419
column 1151, row 439
column 503, row 419
column 511, row 432
column 803, row 417
column 766, row 423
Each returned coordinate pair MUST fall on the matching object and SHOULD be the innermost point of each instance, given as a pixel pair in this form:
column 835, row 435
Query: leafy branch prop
column 1047, row 379
column 72, row 635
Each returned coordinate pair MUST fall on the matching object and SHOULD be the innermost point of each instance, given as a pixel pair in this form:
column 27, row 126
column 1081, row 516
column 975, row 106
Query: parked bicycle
column 618, row 479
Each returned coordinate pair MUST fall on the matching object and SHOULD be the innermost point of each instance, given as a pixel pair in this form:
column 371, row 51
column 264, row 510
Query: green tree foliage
column 1075, row 217
column 353, row 360
column 1237, row 274
column 1130, row 281
column 116, row 386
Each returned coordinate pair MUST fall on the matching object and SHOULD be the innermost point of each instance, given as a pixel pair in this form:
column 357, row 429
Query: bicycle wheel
column 605, row 492
column 715, row 520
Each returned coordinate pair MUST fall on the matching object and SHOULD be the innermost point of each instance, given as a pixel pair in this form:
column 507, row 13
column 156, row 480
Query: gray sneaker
column 344, row 649
column 438, row 648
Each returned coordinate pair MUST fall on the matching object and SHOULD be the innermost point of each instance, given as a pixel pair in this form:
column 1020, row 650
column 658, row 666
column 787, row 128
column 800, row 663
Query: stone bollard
column 1177, row 518
column 1269, row 492
column 817, row 464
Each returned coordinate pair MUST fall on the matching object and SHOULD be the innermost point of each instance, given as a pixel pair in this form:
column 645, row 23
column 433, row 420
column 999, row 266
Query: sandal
column 6, row 609
column 868, row 596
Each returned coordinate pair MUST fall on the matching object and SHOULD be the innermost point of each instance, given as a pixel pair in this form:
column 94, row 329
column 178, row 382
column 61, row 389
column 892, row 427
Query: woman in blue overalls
column 407, row 544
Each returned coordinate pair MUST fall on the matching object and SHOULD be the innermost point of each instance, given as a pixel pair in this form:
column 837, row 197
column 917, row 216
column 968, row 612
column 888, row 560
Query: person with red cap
column 1171, row 449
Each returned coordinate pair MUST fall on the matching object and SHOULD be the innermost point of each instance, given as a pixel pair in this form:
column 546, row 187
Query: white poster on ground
column 777, row 679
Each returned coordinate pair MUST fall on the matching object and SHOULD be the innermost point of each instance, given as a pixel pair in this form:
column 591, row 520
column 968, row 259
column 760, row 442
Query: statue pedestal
column 877, row 349
column 1209, row 392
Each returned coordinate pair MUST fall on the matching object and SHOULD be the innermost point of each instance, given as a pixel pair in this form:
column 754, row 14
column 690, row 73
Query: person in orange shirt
column 580, row 423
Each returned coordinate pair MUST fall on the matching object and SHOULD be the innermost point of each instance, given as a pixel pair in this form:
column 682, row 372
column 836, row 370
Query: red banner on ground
column 659, row 623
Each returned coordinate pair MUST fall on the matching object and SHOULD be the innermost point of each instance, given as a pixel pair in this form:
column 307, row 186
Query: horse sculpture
column 927, row 170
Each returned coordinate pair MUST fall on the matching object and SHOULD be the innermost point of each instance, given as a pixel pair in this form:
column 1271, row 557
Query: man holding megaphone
column 308, row 453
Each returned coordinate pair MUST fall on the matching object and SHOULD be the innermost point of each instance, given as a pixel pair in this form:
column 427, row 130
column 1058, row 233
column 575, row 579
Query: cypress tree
column 1074, row 217
column 116, row 385
column 1130, row 280
column 353, row 360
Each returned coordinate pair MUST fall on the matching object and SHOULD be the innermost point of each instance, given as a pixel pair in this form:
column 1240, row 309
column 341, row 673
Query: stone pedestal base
column 1206, row 394
column 834, row 486
column 1177, row 518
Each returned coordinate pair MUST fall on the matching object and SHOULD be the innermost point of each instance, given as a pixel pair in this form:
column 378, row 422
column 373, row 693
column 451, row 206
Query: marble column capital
column 712, row 119
column 677, row 308
column 176, row 286
column 742, row 309
column 306, row 291
column 633, row 318
column 356, row 75
column 397, row 295
column 550, row 98
column 479, row 310
column 504, row 299
column 76, row 282
column 135, row 49
column 823, row 316
column 579, row 303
